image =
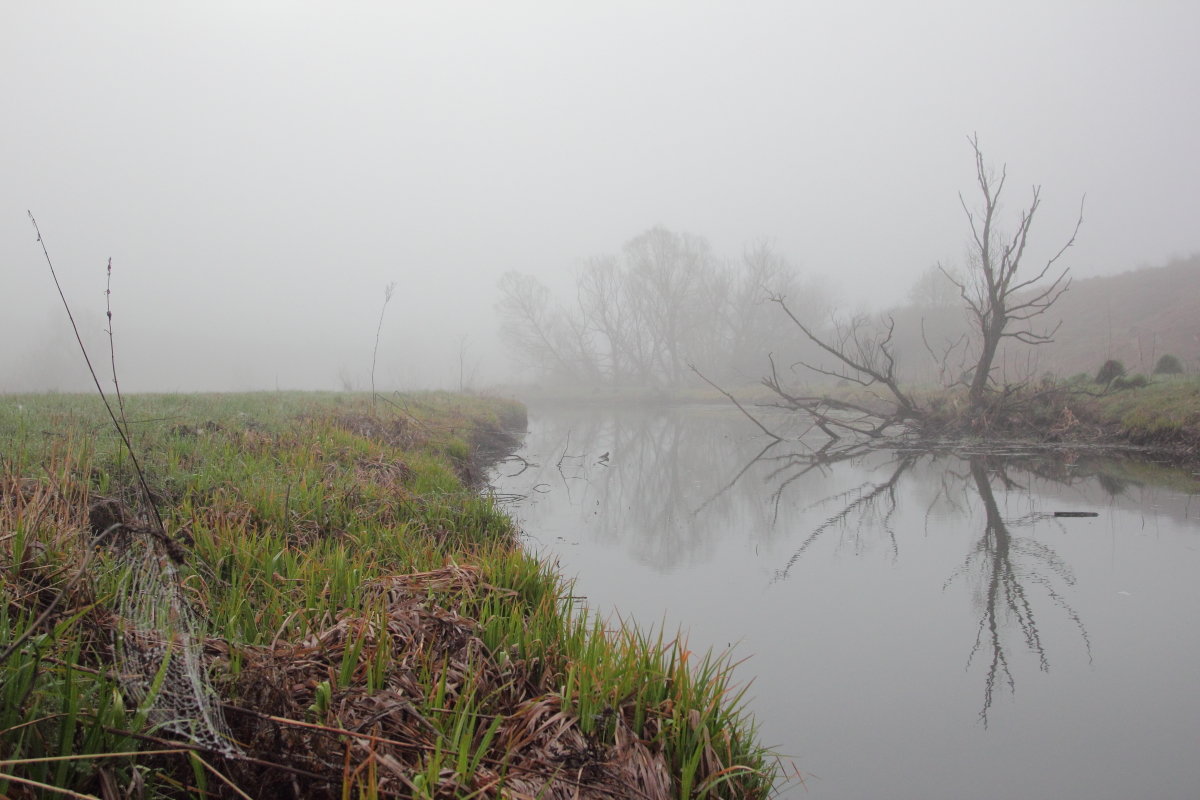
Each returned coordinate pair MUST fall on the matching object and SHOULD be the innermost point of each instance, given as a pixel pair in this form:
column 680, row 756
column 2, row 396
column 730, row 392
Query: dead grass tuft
column 392, row 431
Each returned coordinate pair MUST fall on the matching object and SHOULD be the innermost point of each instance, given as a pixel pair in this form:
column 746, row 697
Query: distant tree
column 539, row 331
column 667, row 273
column 642, row 316
column 1168, row 365
column 936, row 288
column 753, row 328
column 600, row 293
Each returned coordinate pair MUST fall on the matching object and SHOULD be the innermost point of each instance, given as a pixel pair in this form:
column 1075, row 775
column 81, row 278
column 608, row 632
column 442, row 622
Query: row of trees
column 666, row 301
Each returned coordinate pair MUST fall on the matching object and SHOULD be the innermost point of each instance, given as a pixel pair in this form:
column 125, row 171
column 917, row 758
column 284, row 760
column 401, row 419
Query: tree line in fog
column 641, row 316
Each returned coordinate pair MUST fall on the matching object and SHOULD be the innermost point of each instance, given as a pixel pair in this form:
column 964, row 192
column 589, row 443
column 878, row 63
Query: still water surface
column 918, row 625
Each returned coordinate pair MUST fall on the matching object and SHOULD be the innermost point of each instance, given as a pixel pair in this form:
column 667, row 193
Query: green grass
column 1167, row 410
column 369, row 619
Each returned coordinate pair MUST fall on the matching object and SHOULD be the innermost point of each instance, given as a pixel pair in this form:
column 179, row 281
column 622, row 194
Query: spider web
column 158, row 645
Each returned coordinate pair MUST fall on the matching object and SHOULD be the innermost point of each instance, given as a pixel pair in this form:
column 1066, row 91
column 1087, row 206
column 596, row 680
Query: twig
column 564, row 456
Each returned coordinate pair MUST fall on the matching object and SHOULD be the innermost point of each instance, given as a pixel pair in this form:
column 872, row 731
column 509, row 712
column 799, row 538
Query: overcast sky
column 258, row 172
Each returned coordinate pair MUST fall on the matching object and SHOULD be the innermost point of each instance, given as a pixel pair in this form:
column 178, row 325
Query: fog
column 259, row 172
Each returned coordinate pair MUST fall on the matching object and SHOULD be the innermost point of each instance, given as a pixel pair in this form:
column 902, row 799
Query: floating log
column 1076, row 513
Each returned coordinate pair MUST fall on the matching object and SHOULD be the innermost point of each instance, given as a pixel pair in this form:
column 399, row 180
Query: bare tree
column 936, row 288
column 665, row 273
column 598, row 293
column 751, row 328
column 533, row 326
column 1001, row 303
column 995, row 296
column 665, row 302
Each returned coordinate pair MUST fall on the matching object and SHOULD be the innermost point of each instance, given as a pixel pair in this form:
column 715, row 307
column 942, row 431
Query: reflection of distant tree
column 650, row 492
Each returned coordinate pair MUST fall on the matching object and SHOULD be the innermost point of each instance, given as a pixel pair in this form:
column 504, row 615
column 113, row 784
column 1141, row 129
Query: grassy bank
column 1163, row 414
column 333, row 612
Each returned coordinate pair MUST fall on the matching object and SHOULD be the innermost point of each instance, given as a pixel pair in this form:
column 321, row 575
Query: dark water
column 917, row 625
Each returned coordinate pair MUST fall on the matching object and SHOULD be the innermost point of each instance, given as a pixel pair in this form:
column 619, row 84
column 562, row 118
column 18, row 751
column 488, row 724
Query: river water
column 916, row 625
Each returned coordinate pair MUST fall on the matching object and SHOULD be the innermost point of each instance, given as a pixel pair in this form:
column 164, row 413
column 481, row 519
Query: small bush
column 1168, row 365
column 1111, row 370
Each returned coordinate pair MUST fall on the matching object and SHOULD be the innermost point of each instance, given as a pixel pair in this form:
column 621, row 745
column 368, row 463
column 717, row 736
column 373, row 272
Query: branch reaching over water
column 733, row 400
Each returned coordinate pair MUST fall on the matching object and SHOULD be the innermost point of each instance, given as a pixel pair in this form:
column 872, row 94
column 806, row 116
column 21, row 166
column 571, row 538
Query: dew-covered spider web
column 158, row 645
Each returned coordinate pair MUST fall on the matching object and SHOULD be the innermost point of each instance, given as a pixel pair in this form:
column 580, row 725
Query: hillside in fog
column 1135, row 317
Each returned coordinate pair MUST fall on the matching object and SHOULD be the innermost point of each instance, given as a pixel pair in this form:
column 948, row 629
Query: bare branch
column 942, row 361
column 733, row 400
column 860, row 352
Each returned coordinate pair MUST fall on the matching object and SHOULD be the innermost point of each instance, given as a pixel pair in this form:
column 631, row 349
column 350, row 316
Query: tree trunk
column 992, row 334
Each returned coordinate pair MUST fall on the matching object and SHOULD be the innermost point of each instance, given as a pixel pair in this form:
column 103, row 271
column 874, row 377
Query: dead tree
column 995, row 296
column 1001, row 303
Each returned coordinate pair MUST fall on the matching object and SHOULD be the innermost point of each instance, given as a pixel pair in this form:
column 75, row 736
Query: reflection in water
column 640, row 479
column 1008, row 570
column 867, row 507
column 842, row 569
column 640, row 473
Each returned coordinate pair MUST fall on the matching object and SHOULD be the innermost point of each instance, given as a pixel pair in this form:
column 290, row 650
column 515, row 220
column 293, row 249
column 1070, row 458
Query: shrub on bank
column 1168, row 365
column 1110, row 371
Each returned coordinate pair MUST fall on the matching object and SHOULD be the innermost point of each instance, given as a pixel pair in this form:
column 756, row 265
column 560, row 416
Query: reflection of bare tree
column 869, row 505
column 1012, row 571
column 679, row 482
column 1008, row 569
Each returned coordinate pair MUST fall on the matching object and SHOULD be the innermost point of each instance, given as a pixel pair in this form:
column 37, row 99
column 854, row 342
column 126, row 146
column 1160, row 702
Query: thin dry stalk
column 387, row 298
column 112, row 349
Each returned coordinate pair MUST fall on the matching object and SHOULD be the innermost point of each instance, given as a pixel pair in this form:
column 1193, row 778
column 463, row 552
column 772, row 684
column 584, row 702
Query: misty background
column 259, row 172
